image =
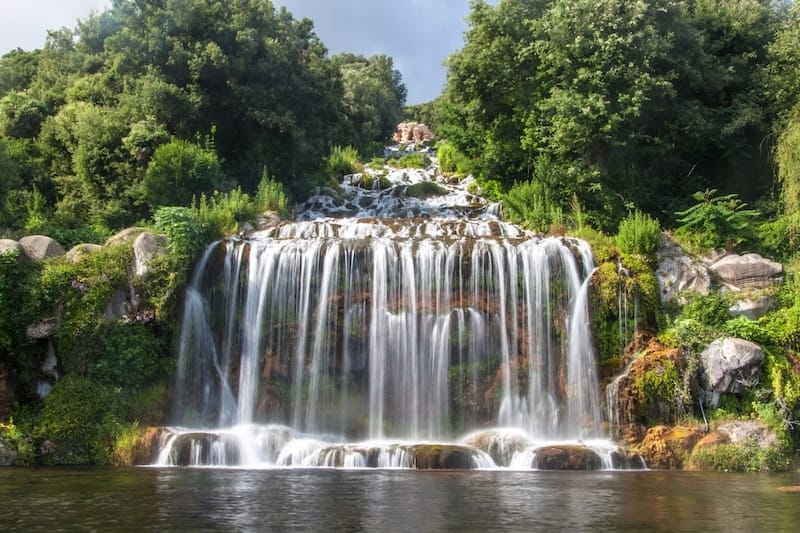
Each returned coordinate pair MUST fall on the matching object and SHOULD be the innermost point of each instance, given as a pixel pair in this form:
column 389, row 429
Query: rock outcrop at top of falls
column 412, row 133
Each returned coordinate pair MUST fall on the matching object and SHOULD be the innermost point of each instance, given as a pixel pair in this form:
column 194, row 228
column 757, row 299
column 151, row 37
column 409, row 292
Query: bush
column 179, row 171
column 638, row 233
column 451, row 160
column 746, row 457
column 425, row 189
column 131, row 357
column 185, row 236
column 271, row 196
column 414, row 160
column 715, row 221
column 529, row 204
column 343, row 161
column 73, row 429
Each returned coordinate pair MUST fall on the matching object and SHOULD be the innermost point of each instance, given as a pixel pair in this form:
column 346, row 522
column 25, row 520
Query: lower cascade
column 442, row 338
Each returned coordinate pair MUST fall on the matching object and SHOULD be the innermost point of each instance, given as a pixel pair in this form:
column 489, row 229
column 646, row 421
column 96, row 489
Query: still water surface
column 148, row 499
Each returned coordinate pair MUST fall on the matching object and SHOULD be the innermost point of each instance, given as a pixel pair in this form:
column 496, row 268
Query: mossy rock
column 425, row 189
column 668, row 448
column 443, row 457
column 566, row 457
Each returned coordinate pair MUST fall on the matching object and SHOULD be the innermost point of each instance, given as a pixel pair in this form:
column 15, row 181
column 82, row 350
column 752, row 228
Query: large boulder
column 127, row 235
column 443, row 456
column 730, row 365
column 749, row 271
column 755, row 307
column 678, row 272
column 38, row 247
column 567, row 457
column 79, row 251
column 146, row 247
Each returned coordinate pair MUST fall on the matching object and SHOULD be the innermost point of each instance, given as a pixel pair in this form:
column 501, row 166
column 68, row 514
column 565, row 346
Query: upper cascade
column 398, row 193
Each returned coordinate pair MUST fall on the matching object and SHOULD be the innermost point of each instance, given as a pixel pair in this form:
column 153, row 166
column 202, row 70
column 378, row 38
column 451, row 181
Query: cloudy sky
column 418, row 34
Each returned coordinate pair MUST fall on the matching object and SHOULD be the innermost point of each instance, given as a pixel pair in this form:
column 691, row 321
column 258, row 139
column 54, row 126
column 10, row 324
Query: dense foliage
column 624, row 104
column 150, row 104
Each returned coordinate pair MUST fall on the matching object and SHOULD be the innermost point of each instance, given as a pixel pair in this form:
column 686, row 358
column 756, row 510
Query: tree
column 373, row 98
column 179, row 171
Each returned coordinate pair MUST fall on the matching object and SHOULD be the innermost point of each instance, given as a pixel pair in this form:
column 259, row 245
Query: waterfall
column 387, row 331
column 347, row 315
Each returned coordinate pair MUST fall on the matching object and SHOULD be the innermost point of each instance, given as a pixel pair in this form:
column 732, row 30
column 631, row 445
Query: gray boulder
column 749, row 271
column 79, row 251
column 38, row 247
column 678, row 272
column 9, row 244
column 730, row 366
column 749, row 431
column 146, row 247
column 754, row 308
column 126, row 235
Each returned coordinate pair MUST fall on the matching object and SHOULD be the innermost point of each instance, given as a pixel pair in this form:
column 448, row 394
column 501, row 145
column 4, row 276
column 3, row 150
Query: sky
column 417, row 34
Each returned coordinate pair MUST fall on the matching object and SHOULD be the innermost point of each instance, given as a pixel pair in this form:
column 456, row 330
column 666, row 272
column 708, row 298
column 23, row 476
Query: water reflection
column 392, row 500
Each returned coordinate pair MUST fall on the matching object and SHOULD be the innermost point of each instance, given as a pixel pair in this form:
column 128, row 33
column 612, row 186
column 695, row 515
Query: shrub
column 529, row 204
column 413, row 160
column 425, row 189
column 451, row 160
column 745, row 457
column 184, row 233
column 72, row 429
column 638, row 233
column 131, row 356
column 271, row 196
column 179, row 171
column 715, row 221
column 343, row 161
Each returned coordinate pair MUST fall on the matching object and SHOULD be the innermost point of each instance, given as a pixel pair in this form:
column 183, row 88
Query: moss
column 425, row 189
column 747, row 457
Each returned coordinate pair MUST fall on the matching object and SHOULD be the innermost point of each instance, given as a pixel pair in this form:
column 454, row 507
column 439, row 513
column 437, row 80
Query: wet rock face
column 731, row 365
column 567, row 457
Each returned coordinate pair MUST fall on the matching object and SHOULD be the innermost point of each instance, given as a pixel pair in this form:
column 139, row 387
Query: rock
column 668, row 448
column 749, row 271
column 7, row 245
column 749, row 432
column 267, row 220
column 566, row 457
column 146, row 247
column 43, row 329
column 678, row 272
column 79, row 251
column 631, row 407
column 443, row 456
column 730, row 366
column 118, row 307
column 38, row 247
column 754, row 308
column 126, row 235
column 501, row 445
column 412, row 133
column 8, row 455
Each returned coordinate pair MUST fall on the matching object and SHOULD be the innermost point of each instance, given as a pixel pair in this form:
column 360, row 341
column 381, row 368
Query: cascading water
column 359, row 340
